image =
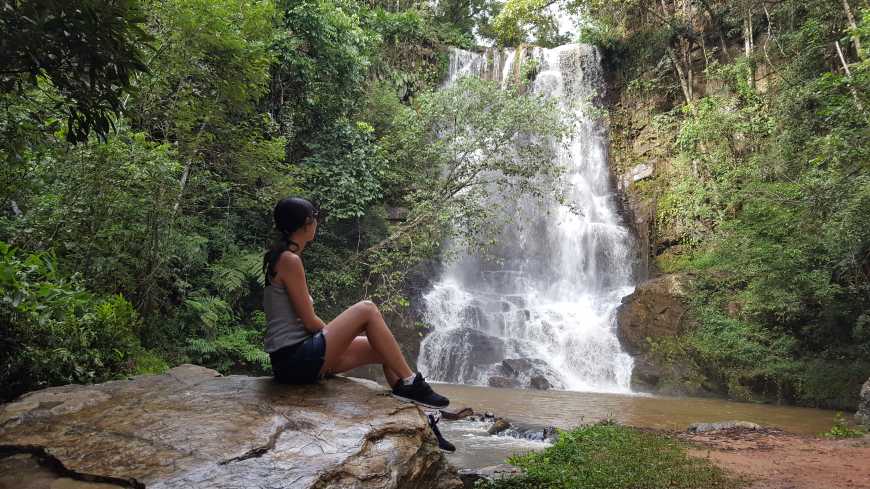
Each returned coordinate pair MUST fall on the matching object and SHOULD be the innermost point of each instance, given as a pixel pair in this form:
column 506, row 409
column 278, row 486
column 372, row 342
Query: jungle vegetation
column 143, row 144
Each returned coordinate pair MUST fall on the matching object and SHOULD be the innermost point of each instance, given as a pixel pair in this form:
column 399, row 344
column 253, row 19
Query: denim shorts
column 300, row 363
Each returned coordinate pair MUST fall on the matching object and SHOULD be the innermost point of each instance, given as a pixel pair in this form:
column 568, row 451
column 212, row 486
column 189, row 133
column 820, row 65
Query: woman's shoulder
column 288, row 257
column 289, row 261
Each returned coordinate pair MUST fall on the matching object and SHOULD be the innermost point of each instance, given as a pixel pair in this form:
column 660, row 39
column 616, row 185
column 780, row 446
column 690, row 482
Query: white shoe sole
column 405, row 399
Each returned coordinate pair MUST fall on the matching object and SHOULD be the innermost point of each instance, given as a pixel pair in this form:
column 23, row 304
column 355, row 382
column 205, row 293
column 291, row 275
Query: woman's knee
column 369, row 307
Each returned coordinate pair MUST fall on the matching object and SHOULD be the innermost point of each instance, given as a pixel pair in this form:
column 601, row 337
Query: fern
column 236, row 350
column 213, row 313
column 233, row 273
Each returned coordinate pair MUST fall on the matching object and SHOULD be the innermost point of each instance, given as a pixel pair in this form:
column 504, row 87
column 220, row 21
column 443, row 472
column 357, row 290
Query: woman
column 302, row 347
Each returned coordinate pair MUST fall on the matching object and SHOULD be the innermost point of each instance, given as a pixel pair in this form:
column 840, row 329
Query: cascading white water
column 546, row 309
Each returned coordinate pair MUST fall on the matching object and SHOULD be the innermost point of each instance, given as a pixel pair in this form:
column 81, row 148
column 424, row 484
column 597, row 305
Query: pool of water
column 567, row 409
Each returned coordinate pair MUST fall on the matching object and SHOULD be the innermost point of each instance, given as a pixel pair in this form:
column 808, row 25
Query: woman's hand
column 291, row 273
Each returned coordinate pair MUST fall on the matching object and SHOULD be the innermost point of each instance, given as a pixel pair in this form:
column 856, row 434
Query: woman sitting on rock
column 302, row 347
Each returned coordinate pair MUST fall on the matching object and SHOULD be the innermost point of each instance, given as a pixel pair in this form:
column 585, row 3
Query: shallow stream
column 567, row 409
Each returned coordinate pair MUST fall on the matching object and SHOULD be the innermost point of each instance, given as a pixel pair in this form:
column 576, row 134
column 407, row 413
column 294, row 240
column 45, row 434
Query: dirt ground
column 772, row 459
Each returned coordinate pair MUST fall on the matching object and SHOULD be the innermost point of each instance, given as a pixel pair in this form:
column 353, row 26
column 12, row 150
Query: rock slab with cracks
column 193, row 428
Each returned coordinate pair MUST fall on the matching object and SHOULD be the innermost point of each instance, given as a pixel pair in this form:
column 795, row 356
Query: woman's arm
column 291, row 273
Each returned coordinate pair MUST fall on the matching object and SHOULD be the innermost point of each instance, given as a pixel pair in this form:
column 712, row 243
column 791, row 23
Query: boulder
column 645, row 374
column 24, row 471
column 397, row 213
column 532, row 432
column 193, row 428
column 657, row 310
column 514, row 367
column 540, row 383
column 654, row 310
column 639, row 211
column 863, row 414
column 526, row 373
column 499, row 426
column 449, row 353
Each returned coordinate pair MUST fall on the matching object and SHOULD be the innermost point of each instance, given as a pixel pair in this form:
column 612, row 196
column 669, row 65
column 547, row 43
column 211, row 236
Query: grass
column 609, row 456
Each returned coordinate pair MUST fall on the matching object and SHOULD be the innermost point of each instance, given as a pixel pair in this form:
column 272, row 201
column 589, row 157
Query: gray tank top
column 283, row 326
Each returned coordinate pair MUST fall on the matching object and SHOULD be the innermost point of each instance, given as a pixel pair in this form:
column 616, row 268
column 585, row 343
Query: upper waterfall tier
column 543, row 314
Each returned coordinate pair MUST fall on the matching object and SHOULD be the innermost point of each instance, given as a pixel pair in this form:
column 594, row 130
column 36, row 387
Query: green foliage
column 767, row 198
column 608, row 456
column 226, row 110
column 529, row 69
column 460, row 146
column 322, row 57
column 211, row 69
column 219, row 342
column 88, row 51
column 57, row 332
column 238, row 350
column 120, row 194
column 148, row 362
column 345, row 171
column 747, row 361
column 842, row 429
column 466, row 18
column 454, row 150
column 410, row 52
column 523, row 21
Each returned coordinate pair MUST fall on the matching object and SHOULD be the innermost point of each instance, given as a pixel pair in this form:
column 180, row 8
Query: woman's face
column 311, row 230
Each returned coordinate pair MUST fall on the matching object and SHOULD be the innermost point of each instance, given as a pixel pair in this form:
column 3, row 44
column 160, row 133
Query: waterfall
column 544, row 313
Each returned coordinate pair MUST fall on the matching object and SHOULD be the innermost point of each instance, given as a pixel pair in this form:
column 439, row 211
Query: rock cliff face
column 192, row 428
column 655, row 311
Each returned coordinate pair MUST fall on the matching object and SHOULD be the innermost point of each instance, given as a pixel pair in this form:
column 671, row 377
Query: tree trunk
column 748, row 44
column 687, row 92
column 849, row 76
column 855, row 39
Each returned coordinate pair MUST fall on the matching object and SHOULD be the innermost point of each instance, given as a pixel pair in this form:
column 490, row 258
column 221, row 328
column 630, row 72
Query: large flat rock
column 192, row 428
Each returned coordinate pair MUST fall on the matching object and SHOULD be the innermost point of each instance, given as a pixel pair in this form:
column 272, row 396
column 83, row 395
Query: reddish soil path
column 772, row 459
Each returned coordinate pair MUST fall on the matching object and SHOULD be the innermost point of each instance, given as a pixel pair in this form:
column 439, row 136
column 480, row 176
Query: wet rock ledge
column 193, row 428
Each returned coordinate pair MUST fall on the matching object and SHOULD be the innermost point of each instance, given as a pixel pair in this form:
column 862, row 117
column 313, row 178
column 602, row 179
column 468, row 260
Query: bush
column 55, row 331
column 608, row 456
column 842, row 429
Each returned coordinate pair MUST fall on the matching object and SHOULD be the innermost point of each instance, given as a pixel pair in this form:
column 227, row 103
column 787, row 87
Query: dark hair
column 290, row 214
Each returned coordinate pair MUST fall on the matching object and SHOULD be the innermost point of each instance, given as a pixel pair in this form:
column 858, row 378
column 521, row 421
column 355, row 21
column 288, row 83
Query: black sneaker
column 442, row 443
column 420, row 393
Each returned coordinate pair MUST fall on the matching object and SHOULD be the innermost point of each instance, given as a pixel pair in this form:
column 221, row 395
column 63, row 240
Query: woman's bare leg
column 360, row 353
column 363, row 317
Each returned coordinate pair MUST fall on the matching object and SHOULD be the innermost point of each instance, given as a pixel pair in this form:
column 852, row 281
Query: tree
column 522, row 21
column 88, row 50
column 462, row 154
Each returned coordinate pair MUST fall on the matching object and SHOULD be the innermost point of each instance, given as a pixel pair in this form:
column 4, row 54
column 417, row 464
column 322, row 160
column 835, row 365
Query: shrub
column 55, row 331
column 841, row 429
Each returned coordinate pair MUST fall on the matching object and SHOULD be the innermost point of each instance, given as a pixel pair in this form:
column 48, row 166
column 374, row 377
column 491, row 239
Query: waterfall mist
column 543, row 313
